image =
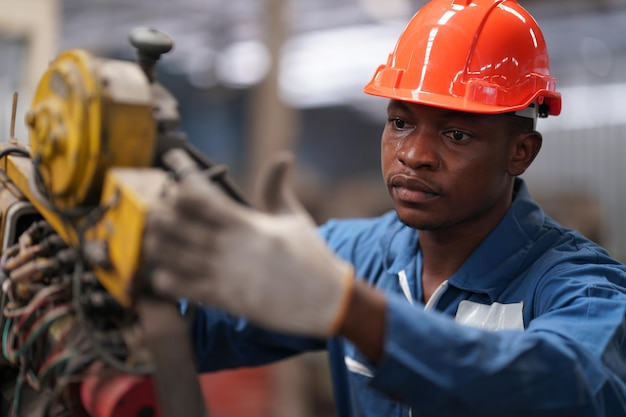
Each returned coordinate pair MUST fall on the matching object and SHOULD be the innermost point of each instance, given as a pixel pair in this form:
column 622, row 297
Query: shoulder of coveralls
column 560, row 257
column 340, row 231
column 372, row 243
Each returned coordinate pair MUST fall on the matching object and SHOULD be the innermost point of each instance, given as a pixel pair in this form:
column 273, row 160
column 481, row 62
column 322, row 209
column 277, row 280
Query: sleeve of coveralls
column 569, row 362
column 222, row 341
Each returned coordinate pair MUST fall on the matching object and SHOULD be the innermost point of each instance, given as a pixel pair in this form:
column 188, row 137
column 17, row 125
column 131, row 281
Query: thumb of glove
column 276, row 195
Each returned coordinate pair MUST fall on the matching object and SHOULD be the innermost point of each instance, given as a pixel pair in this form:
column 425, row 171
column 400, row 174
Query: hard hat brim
column 551, row 98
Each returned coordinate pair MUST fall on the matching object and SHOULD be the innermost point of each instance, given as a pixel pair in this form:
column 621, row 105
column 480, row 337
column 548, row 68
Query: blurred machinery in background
column 81, row 333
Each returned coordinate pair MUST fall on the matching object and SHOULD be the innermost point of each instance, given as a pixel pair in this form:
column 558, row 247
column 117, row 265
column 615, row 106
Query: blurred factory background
column 256, row 76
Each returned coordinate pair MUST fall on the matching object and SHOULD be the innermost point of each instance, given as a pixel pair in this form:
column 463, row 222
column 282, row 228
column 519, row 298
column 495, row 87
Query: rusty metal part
column 167, row 333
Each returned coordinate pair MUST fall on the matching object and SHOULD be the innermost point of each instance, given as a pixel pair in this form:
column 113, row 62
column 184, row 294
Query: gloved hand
column 269, row 266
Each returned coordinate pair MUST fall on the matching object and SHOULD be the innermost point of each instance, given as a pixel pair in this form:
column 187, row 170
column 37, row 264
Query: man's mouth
column 411, row 190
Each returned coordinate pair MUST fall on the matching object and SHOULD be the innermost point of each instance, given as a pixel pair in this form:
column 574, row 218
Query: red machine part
column 118, row 395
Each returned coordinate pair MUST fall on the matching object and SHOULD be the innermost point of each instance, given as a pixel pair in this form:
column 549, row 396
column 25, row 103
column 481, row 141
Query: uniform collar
column 493, row 263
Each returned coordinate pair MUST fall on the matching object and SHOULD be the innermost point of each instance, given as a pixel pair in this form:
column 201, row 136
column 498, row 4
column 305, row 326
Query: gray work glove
column 269, row 266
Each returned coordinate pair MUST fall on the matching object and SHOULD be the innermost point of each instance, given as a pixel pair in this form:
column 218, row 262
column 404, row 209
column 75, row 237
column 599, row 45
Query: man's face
column 446, row 169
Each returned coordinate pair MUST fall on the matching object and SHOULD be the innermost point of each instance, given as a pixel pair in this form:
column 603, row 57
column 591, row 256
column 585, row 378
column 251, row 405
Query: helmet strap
column 530, row 112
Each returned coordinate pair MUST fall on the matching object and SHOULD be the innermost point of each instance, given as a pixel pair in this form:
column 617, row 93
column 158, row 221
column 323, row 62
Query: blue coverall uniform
column 532, row 324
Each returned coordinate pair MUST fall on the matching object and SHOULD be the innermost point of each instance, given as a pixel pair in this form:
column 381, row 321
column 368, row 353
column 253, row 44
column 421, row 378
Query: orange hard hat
column 480, row 56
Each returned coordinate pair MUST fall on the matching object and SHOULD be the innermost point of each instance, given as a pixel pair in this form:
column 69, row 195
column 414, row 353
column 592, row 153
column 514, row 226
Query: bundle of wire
column 46, row 333
column 37, row 313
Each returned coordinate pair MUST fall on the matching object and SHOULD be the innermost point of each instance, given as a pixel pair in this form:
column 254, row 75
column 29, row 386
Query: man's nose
column 420, row 150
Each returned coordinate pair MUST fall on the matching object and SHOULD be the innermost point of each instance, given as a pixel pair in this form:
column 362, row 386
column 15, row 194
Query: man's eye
column 398, row 123
column 458, row 135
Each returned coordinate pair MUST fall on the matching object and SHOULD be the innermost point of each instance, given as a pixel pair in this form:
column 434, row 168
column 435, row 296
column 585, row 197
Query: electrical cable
column 102, row 353
column 14, row 150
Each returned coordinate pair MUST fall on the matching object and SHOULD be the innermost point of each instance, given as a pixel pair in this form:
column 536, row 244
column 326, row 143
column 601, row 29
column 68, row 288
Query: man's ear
column 524, row 148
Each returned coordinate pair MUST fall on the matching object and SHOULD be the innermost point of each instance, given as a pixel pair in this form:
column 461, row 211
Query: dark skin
column 450, row 175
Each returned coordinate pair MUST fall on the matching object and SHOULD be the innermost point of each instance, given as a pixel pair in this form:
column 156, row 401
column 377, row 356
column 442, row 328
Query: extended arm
column 364, row 322
column 272, row 267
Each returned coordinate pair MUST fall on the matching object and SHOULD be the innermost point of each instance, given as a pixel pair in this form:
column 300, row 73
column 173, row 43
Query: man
column 468, row 300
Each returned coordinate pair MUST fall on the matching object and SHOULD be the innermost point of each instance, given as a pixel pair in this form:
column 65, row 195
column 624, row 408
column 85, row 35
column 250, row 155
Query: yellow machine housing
column 92, row 143
column 74, row 296
column 89, row 114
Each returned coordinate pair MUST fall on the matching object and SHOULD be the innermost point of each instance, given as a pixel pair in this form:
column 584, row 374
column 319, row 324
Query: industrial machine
column 82, row 334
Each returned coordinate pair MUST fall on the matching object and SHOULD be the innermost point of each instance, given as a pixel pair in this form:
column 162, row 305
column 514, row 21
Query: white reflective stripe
column 404, row 284
column 492, row 317
column 357, row 367
column 436, row 295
